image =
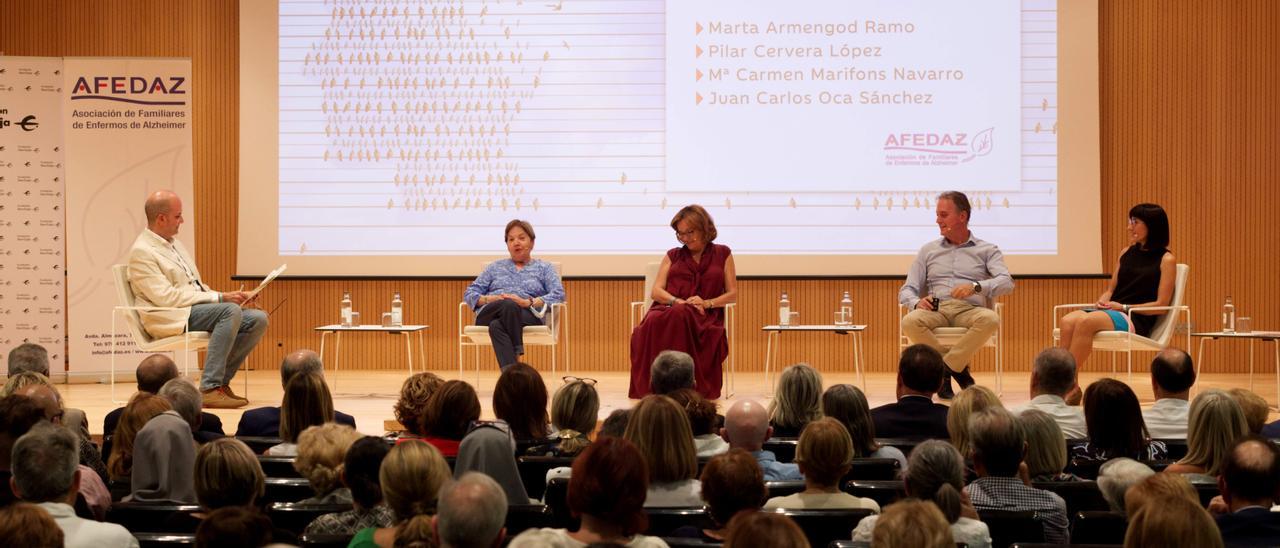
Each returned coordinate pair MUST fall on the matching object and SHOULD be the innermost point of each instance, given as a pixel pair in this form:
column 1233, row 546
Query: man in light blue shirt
column 746, row 426
column 952, row 283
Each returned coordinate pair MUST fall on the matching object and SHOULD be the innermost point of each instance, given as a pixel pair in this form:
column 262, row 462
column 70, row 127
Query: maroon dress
column 681, row 327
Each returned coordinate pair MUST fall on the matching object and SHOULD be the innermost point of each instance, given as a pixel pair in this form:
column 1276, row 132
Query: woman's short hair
column 360, row 470
column 609, row 481
column 701, row 411
column 411, row 475
column 748, row 529
column 1157, row 222
column 798, row 397
column 22, row 380
column 451, row 410
column 25, row 524
column 321, row 452
column 574, row 410
column 1214, row 422
column 520, row 398
column 847, row 404
column 234, row 526
column 1046, row 448
column 141, row 408
column 307, row 402
column 227, row 473
column 1116, row 476
column 615, row 424
column 660, row 430
column 825, row 451
column 935, row 472
column 1158, row 488
column 965, row 404
column 1254, row 407
column 412, row 405
column 732, row 482
column 699, row 219
column 1175, row 522
column 1114, row 419
column 523, row 224
column 914, row 524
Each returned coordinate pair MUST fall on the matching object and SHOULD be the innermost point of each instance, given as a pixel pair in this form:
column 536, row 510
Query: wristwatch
column 977, row 287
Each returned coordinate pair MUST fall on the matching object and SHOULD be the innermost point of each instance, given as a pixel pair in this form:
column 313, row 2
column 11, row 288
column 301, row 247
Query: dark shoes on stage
column 222, row 398
column 963, row 378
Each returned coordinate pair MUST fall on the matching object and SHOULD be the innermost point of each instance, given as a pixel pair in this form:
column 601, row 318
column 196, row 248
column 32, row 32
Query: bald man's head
column 164, row 213
column 47, row 398
column 1250, row 473
column 154, row 371
column 746, row 425
column 300, row 361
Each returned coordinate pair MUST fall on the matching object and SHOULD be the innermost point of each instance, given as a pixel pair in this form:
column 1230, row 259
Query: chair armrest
column 1060, row 307
column 462, row 309
column 152, row 307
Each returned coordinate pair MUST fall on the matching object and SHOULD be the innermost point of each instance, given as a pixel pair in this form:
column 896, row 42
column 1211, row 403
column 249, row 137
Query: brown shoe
column 215, row 398
column 226, row 389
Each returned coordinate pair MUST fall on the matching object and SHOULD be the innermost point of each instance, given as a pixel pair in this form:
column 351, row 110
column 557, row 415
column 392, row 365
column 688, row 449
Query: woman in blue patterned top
column 513, row 293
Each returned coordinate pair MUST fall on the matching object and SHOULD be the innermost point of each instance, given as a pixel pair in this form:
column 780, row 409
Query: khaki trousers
column 982, row 322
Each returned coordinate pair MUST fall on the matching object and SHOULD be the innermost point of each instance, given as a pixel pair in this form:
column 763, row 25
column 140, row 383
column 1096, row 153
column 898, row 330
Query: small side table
column 338, row 330
column 776, row 331
column 1272, row 336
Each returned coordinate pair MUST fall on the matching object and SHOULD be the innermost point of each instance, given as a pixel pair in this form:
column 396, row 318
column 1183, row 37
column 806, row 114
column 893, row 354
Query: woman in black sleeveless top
column 1144, row 276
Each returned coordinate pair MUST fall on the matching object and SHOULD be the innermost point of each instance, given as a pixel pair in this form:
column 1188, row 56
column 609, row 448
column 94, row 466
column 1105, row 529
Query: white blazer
column 163, row 274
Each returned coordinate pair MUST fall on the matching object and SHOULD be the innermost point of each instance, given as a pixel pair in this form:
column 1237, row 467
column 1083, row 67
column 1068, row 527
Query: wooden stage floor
column 370, row 395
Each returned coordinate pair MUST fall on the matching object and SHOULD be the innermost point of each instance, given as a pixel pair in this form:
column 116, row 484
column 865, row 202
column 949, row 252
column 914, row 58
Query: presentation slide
column 398, row 137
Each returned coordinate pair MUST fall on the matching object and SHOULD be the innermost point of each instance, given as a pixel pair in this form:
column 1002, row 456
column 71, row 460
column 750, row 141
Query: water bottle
column 397, row 310
column 346, row 309
column 846, row 309
column 1228, row 316
column 784, row 310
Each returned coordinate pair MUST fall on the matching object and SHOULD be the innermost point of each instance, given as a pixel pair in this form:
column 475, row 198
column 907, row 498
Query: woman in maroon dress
column 694, row 284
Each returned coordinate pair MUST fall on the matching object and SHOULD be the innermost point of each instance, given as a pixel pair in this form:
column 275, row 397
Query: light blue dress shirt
column 941, row 266
column 538, row 278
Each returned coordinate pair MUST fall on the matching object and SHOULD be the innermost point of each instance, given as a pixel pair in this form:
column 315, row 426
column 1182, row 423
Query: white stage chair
column 187, row 341
column 640, row 308
column 548, row 334
column 949, row 336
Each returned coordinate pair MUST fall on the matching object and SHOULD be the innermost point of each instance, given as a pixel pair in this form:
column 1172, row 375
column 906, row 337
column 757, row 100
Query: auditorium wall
column 1189, row 120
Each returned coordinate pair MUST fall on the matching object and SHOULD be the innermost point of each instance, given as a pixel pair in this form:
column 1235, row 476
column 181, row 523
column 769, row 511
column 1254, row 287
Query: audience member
column 25, row 524
column 227, row 474
column 322, row 450
column 412, row 405
column 1116, row 477
column 731, row 483
column 702, row 421
column 1174, row 523
column 152, row 373
column 824, row 455
column 616, row 423
column 846, row 403
column 186, row 399
column 520, row 398
column 574, row 411
column 410, row 476
column 489, row 449
column 672, row 370
column 48, row 398
column 1046, row 449
column 1249, row 482
column 935, row 473
column 1053, row 376
column 142, row 407
column 450, row 412
column 1215, row 422
column 659, row 429
column 163, row 457
column 18, row 414
column 746, row 426
column 307, row 402
column 470, row 513
column 1172, row 375
column 1254, row 407
column 915, row 415
column 33, row 358
column 360, row 475
column 797, row 399
column 1158, row 488
column 265, row 421
column 749, row 529
column 45, row 472
column 238, row 526
column 912, row 524
column 998, row 448
column 1115, row 426
column 607, row 490
column 418, row 532
column 963, row 405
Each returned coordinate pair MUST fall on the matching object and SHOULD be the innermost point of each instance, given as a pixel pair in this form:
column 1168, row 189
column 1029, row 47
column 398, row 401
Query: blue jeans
column 234, row 331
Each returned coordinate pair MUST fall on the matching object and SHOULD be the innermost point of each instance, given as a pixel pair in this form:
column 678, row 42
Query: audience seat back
column 527, row 516
column 884, row 492
column 286, row 490
column 784, row 449
column 148, row 517
column 533, row 472
column 664, row 521
column 295, row 518
column 824, row 526
column 555, row 498
column 784, row 488
column 1098, row 527
column 260, row 444
column 1177, row 448
column 278, row 467
column 874, row 469
column 164, row 540
column 1079, row 495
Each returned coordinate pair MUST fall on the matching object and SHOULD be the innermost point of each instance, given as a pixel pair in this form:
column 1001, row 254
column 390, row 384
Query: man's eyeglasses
column 570, row 379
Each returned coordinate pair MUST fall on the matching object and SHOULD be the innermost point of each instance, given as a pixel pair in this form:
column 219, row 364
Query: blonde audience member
column 1215, row 421
column 1254, row 407
column 1172, row 523
column 969, row 401
column 825, row 454
column 660, row 430
column 410, row 476
column 321, row 452
column 912, row 524
column 1046, row 448
column 796, row 400
column 575, row 408
column 1158, row 488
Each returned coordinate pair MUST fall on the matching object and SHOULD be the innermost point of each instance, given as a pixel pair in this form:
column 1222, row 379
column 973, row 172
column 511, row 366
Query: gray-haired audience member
column 152, row 372
column 28, row 357
column 1053, row 375
column 998, row 446
column 45, row 472
column 265, row 421
column 1172, row 375
column 470, row 512
column 672, row 370
column 1116, row 476
column 185, row 399
column 935, row 473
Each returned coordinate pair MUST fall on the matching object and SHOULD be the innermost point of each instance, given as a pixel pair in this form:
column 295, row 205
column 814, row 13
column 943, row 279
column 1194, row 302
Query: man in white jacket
column 163, row 274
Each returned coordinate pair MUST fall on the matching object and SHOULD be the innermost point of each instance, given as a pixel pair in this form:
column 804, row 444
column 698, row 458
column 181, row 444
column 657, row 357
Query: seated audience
column 520, row 399
column 1255, row 408
column 998, row 448
column 163, row 456
column 360, row 475
column 411, row 476
column 607, row 490
column 659, row 429
column 702, row 421
column 797, row 399
column 265, row 421
column 234, row 526
column 616, row 423
column 412, row 405
column 418, row 532
column 1053, row 376
column 33, row 358
column 1249, row 483
column 915, row 416
column 574, row 411
column 450, row 412
column 151, row 374
column 1115, row 427
column 322, row 450
column 935, row 473
column 963, row 405
column 470, row 512
column 45, row 472
column 1172, row 375
column 749, row 529
column 1172, row 524
column 1116, row 477
column 48, row 398
column 1156, row 489
column 1215, row 422
column 227, row 474
column 307, row 402
column 672, row 370
column 142, row 407
column 846, row 403
column 489, row 449
column 824, row 455
column 746, row 427
column 1046, row 449
column 25, row 524
column 18, row 414
column 187, row 401
column 912, row 524
column 731, row 483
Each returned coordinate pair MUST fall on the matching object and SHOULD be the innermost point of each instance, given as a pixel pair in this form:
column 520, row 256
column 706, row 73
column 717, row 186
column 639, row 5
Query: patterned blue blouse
column 538, row 278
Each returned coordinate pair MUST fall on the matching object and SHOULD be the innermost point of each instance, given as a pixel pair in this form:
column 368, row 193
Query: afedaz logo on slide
column 139, row 90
